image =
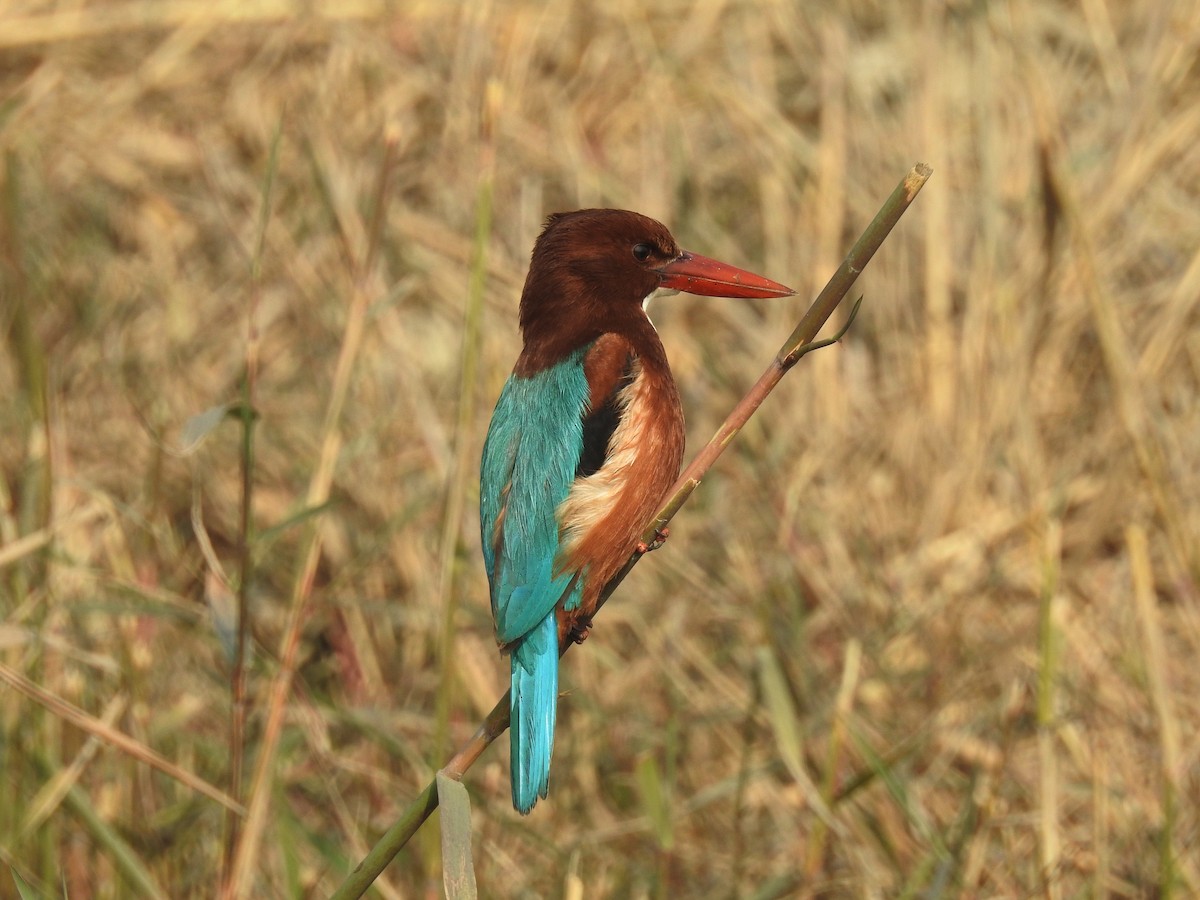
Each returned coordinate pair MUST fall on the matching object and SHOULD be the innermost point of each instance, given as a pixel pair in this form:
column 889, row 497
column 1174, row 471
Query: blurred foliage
column 948, row 492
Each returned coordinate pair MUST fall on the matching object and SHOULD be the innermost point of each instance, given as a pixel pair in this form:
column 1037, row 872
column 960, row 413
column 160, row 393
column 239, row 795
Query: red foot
column 660, row 538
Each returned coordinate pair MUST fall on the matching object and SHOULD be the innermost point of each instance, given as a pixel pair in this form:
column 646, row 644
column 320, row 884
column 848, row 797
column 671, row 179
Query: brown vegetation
column 930, row 626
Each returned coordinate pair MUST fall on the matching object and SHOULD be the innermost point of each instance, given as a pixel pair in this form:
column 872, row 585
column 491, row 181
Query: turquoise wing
column 531, row 456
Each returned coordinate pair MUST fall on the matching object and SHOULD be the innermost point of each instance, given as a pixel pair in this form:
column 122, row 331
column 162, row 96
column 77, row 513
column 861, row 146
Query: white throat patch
column 646, row 307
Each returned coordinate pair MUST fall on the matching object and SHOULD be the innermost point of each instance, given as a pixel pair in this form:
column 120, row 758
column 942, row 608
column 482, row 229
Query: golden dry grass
column 929, row 628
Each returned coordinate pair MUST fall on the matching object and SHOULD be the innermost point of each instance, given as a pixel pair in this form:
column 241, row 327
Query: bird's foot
column 580, row 629
column 660, row 538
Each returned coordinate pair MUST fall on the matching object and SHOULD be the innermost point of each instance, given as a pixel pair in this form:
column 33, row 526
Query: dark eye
column 641, row 252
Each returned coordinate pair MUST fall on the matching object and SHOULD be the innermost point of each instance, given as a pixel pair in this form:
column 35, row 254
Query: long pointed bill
column 698, row 274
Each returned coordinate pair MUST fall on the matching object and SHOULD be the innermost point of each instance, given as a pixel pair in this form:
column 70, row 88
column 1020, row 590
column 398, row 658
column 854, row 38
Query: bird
column 586, row 437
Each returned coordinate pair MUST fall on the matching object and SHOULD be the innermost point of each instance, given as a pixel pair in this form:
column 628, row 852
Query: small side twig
column 799, row 343
column 794, row 357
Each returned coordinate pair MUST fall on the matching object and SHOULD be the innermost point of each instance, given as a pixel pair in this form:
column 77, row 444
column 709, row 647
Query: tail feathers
column 534, row 703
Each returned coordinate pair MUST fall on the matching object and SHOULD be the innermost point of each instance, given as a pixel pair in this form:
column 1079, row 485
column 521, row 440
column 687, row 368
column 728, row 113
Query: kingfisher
column 585, row 440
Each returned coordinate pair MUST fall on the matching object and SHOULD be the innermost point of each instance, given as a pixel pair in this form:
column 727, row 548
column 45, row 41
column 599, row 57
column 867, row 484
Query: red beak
column 698, row 274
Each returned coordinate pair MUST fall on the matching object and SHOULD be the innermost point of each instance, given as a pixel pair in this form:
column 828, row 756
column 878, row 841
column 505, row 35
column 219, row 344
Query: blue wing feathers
column 530, row 459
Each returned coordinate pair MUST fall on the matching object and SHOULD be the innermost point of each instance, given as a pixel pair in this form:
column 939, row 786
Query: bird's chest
column 648, row 415
column 608, row 507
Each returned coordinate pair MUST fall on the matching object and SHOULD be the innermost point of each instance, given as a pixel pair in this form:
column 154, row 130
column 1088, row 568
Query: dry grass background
column 930, row 628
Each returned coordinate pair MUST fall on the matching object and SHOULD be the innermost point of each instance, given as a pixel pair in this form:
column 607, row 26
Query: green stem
column 792, row 350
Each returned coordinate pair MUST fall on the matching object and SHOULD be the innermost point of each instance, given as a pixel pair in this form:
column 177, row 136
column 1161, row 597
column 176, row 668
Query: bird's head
column 593, row 270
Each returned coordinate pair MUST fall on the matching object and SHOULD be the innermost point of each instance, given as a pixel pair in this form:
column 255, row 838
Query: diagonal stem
column 797, row 345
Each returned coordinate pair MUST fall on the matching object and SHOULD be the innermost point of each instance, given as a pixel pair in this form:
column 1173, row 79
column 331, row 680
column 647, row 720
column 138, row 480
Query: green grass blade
column 656, row 801
column 24, row 889
column 458, row 867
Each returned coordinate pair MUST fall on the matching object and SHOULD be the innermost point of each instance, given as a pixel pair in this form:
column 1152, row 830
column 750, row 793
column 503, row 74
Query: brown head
column 592, row 271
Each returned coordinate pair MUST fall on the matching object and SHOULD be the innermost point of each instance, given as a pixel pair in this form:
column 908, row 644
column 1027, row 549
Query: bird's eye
column 641, row 252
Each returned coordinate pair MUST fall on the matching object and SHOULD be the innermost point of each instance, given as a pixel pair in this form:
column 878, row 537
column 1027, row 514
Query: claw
column 581, row 629
column 660, row 538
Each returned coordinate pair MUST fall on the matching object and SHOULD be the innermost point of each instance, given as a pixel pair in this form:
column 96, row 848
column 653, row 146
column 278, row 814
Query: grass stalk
column 851, row 669
column 1049, row 839
column 52, row 792
column 1139, row 415
column 800, row 342
column 246, row 854
column 452, row 518
column 237, row 678
column 1155, row 656
column 124, row 857
column 68, row 712
column 34, row 488
column 745, row 744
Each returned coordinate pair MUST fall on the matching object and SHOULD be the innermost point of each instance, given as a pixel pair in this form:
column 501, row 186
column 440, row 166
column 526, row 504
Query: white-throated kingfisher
column 585, row 440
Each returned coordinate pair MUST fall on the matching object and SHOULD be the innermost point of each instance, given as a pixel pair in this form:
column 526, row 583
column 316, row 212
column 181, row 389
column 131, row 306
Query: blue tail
column 533, row 706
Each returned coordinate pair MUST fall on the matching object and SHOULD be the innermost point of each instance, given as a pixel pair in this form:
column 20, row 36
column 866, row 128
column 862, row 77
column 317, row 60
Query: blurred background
column 929, row 628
